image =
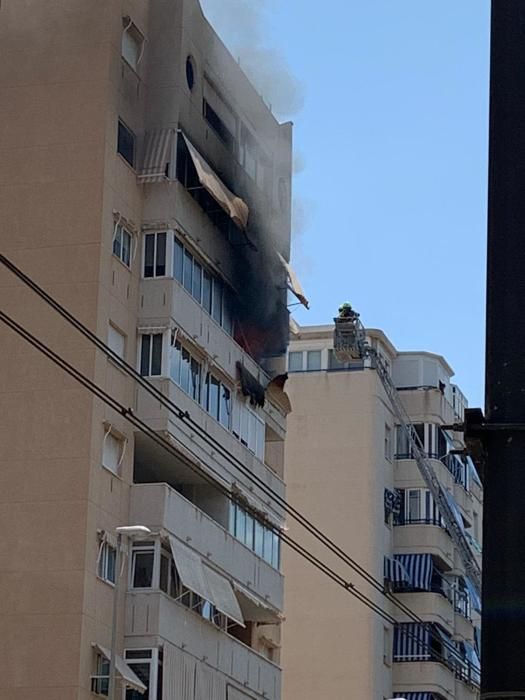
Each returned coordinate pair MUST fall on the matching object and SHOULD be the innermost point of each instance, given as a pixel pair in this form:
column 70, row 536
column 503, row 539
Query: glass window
column 258, row 538
column 245, row 424
column 117, row 242
column 100, row 682
column 268, row 545
column 125, row 255
column 185, row 371
column 178, row 260
column 195, row 380
column 217, row 301
column 276, row 551
column 164, row 573
column 313, row 360
column 132, row 41
column 197, row 281
column 160, row 261
column 156, row 355
column 142, row 670
column 175, row 361
column 145, row 355
column 126, row 143
column 149, row 255
column 402, row 448
column 414, row 505
column 248, row 536
column 188, row 272
column 142, row 569
column 206, row 291
column 227, row 318
column 240, row 524
column 295, row 361
column 106, row 563
column 252, row 431
column 213, row 397
column 225, row 407
column 388, row 443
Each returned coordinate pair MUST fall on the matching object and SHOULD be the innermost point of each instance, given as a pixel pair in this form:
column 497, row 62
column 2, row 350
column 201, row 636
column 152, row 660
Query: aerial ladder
column 350, row 343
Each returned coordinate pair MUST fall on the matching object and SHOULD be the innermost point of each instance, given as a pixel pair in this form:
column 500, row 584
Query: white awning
column 157, row 146
column 124, row 671
column 254, row 608
column 190, row 569
column 293, row 282
column 223, row 597
column 234, row 206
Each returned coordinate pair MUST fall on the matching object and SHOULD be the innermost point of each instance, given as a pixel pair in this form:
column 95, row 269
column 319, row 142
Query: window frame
column 103, row 567
column 150, row 352
column 131, row 30
column 120, row 231
column 112, row 328
column 128, row 132
column 111, row 435
column 296, row 353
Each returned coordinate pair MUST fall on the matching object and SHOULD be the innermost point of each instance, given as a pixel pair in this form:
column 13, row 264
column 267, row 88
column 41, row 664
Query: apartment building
column 146, row 186
column 351, row 470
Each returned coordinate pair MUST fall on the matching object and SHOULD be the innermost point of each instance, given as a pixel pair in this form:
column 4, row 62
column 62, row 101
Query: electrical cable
column 128, row 414
column 185, row 417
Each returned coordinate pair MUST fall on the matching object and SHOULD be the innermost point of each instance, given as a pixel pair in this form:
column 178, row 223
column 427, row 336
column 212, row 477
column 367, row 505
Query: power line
column 185, row 417
column 128, row 414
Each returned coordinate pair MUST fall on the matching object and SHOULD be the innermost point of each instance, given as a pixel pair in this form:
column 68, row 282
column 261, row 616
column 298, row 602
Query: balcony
column 433, row 607
column 166, row 298
column 154, row 614
column 407, row 474
column 424, row 676
column 162, row 508
column 198, row 451
column 424, row 538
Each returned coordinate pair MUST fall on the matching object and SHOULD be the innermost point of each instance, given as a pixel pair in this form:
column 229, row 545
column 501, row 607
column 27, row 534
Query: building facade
column 146, row 186
column 350, row 470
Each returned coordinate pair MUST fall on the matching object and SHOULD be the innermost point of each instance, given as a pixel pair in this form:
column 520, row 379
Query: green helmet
column 347, row 306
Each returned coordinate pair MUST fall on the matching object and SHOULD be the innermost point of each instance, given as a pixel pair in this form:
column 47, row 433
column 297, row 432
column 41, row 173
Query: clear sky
column 392, row 134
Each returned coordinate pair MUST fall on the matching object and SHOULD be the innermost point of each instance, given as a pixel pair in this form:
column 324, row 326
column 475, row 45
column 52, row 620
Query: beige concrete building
column 146, row 186
column 350, row 470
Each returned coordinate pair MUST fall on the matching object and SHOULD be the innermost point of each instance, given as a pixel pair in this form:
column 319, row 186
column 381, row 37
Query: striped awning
column 454, row 508
column 395, row 572
column 411, row 642
column 415, row 696
column 419, row 568
column 157, row 145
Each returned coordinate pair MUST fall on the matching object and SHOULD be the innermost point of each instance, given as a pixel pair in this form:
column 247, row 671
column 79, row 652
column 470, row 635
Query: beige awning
column 223, row 597
column 129, row 678
column 234, row 206
column 293, row 282
column 255, row 609
column 190, row 568
column 157, row 145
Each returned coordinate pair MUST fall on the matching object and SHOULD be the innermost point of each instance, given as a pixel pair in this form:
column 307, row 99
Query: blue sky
column 393, row 138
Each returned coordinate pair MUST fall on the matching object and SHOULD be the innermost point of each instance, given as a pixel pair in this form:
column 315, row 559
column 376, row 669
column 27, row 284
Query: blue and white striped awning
column 415, row 696
column 411, row 642
column 454, row 508
column 395, row 572
column 419, row 568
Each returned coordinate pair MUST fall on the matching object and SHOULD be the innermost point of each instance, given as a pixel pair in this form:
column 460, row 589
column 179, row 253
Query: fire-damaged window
column 254, row 161
column 126, row 143
column 217, row 124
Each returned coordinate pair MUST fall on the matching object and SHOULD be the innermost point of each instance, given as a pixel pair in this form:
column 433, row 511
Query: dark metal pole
column 502, row 433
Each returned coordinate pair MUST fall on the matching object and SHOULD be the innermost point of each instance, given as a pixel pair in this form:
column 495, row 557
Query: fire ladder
column 349, row 344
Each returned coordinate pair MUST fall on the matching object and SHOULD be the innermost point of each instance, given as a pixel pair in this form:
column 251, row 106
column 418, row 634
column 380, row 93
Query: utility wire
column 185, row 417
column 128, row 414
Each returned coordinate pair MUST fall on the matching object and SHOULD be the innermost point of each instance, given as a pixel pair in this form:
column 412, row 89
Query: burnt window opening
column 126, row 143
column 217, row 124
column 190, row 73
column 187, row 176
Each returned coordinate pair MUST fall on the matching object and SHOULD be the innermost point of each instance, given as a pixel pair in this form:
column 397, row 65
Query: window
column 106, row 562
column 190, row 73
column 132, row 43
column 126, row 143
column 100, row 680
column 122, row 245
column 217, row 124
column 259, row 537
column 147, row 665
column 178, row 260
column 414, row 505
column 112, row 452
column 151, row 355
column 252, row 430
column 295, row 361
column 388, row 443
column 313, row 360
column 142, row 566
column 155, row 255
column 387, row 646
column 116, row 341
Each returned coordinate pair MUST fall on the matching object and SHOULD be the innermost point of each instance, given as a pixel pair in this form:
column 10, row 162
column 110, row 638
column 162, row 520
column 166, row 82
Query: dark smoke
column 240, row 24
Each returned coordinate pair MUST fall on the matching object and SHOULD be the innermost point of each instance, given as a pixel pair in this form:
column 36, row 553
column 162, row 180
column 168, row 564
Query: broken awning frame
column 255, row 608
column 205, row 581
column 124, row 671
column 234, row 206
column 157, row 146
column 293, row 282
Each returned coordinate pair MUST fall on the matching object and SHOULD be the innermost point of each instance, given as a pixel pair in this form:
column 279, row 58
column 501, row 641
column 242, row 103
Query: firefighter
column 346, row 311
